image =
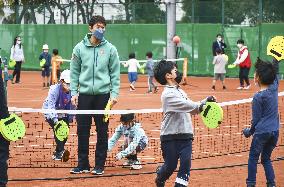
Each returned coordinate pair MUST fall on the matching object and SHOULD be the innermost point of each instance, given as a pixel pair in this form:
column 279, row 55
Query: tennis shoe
column 132, row 87
column 128, row 163
column 247, row 87
column 78, row 170
column 136, row 165
column 98, row 171
column 240, row 88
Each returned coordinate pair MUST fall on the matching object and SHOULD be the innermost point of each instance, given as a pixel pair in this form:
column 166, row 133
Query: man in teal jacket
column 95, row 80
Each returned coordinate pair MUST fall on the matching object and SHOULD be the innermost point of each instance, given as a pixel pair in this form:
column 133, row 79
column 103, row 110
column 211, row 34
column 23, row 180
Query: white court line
column 34, row 145
column 19, row 146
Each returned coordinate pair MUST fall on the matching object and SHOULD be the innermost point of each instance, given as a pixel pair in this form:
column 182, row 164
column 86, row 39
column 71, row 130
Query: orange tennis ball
column 176, row 39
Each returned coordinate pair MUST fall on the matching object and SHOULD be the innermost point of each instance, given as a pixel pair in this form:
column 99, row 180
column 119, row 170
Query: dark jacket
column 216, row 45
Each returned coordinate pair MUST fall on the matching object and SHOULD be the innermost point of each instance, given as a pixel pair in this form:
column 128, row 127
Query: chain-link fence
column 238, row 12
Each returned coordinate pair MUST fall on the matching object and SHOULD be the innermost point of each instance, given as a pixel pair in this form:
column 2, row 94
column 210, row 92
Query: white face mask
column 19, row 42
column 239, row 45
column 219, row 39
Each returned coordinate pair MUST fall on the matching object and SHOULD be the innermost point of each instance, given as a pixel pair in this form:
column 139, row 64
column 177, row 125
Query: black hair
column 97, row 19
column 241, row 41
column 127, row 117
column 55, row 51
column 265, row 71
column 131, row 55
column 149, row 54
column 161, row 69
column 15, row 41
column 218, row 35
column 218, row 51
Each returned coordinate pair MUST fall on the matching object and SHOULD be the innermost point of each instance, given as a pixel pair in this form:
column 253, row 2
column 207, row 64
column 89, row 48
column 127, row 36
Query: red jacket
column 247, row 62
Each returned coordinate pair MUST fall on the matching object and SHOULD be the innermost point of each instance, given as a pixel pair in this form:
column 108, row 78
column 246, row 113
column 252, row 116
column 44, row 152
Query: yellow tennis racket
column 231, row 66
column 12, row 128
column 107, row 109
column 212, row 115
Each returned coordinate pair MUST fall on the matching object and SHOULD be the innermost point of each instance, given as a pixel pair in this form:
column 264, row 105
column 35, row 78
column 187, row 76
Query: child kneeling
column 135, row 141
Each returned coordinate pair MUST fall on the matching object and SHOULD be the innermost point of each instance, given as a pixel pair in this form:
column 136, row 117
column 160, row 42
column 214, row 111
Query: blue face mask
column 99, row 33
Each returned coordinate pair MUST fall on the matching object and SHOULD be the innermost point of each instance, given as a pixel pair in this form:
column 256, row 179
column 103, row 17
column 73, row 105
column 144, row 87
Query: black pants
column 172, row 151
column 92, row 102
column 59, row 144
column 4, row 144
column 244, row 76
column 17, row 71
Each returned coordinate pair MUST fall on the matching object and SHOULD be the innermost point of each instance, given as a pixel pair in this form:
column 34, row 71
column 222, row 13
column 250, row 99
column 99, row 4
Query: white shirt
column 220, row 64
column 17, row 53
column 243, row 57
column 132, row 65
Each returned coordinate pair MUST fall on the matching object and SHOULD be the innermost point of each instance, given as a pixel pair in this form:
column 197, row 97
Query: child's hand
column 118, row 156
column 211, row 99
column 246, row 132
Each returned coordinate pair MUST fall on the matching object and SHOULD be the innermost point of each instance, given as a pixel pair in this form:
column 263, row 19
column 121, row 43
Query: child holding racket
column 45, row 63
column 135, row 141
column 59, row 98
column 176, row 127
column 132, row 65
column 265, row 122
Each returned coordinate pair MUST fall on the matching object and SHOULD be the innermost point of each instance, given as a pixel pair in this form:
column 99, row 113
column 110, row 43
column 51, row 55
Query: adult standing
column 17, row 54
column 95, row 80
column 218, row 44
column 244, row 62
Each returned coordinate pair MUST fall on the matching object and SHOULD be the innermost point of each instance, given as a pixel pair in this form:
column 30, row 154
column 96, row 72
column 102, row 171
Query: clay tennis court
column 219, row 155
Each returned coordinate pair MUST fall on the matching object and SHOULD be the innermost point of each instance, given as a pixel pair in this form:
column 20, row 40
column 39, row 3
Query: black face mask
column 179, row 77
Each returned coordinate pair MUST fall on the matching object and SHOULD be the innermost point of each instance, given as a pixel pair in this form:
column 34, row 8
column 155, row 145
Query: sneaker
column 247, row 87
column 132, row 87
column 98, row 171
column 213, row 87
column 47, row 85
column 240, row 88
column 43, row 84
column 61, row 156
column 156, row 89
column 128, row 163
column 78, row 170
column 136, row 165
column 224, row 88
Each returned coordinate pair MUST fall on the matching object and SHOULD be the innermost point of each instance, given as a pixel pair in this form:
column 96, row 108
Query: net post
column 184, row 73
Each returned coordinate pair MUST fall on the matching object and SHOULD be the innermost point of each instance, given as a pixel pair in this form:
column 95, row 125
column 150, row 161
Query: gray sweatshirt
column 177, row 107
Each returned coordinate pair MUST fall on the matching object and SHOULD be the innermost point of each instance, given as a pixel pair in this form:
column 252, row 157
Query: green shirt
column 95, row 69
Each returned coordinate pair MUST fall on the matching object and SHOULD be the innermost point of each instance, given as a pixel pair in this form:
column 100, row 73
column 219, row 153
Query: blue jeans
column 172, row 151
column 262, row 144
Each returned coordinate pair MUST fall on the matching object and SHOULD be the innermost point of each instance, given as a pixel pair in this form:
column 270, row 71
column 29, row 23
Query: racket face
column 12, row 128
column 212, row 115
column 275, row 47
column 61, row 130
column 226, row 57
column 230, row 66
column 42, row 62
column 12, row 63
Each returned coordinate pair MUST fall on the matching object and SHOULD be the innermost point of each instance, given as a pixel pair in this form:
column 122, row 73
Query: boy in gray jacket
column 176, row 127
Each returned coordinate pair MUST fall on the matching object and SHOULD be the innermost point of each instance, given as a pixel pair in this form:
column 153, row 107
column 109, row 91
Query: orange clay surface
column 30, row 94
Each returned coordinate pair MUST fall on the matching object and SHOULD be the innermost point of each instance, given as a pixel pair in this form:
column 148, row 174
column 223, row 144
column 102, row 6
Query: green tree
column 235, row 12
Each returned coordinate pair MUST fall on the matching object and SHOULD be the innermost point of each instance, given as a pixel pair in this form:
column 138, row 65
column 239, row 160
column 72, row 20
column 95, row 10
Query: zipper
column 94, row 70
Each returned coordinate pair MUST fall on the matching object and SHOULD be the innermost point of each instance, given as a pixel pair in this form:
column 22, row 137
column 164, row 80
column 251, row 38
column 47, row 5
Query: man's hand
column 74, row 100
column 113, row 101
